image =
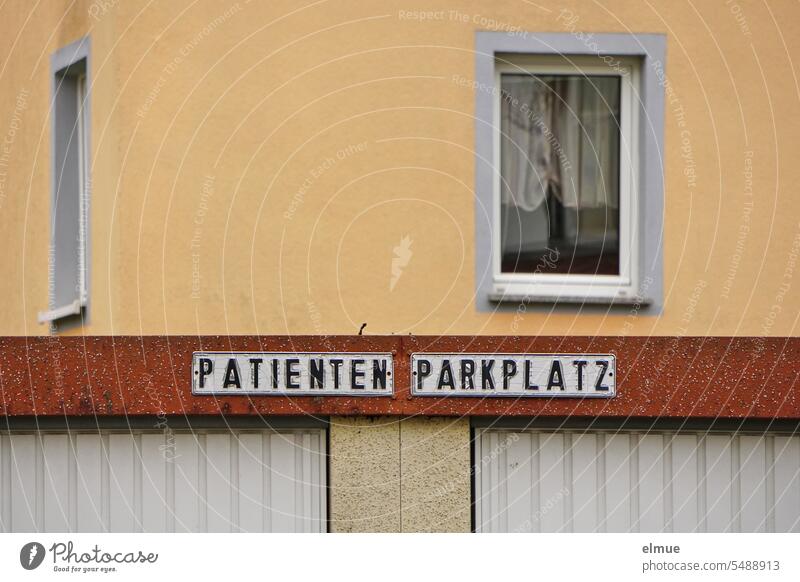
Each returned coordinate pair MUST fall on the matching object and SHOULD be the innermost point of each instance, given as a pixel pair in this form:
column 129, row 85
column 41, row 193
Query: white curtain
column 560, row 135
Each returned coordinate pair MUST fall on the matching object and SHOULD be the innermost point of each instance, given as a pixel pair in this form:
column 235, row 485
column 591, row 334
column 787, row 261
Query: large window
column 69, row 224
column 568, row 169
column 565, row 200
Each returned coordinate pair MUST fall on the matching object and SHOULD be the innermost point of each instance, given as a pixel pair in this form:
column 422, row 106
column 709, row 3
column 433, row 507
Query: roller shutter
column 615, row 481
column 215, row 481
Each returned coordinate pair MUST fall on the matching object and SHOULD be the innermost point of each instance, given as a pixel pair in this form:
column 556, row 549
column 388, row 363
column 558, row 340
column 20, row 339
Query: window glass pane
column 559, row 210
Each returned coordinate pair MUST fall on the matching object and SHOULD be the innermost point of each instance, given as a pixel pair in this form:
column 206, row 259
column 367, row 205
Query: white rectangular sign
column 514, row 375
column 292, row 374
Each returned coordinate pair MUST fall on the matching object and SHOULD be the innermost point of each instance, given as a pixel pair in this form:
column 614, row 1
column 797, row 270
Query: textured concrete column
column 365, row 474
column 435, row 474
column 388, row 475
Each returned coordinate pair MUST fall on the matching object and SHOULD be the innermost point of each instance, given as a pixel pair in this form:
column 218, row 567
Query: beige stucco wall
column 391, row 475
column 274, row 155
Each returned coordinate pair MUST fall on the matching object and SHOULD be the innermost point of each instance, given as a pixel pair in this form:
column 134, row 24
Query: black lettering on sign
column 206, row 367
column 556, row 379
column 528, row 385
column 232, row 375
column 275, row 373
column 423, row 371
column 580, row 365
column 316, row 373
column 292, row 373
column 356, row 374
column 509, row 371
column 336, row 364
column 598, row 385
column 486, row 375
column 379, row 374
column 446, row 376
column 467, row 374
column 254, row 365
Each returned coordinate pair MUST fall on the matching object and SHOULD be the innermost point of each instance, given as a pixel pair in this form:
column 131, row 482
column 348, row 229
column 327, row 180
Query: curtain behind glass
column 560, row 135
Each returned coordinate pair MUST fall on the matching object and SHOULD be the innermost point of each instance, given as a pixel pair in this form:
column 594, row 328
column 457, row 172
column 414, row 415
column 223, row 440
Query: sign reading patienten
column 292, row 374
column 514, row 375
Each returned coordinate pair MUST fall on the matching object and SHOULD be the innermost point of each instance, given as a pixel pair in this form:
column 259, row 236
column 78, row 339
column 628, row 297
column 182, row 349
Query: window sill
column 73, row 308
column 556, row 299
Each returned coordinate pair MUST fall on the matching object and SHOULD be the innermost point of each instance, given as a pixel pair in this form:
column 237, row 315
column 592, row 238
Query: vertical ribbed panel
column 531, row 481
column 155, row 482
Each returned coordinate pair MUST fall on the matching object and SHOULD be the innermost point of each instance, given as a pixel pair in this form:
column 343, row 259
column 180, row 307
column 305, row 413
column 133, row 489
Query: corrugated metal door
column 578, row 481
column 213, row 481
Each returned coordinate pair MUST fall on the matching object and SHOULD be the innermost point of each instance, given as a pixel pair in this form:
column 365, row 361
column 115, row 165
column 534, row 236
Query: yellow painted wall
column 275, row 153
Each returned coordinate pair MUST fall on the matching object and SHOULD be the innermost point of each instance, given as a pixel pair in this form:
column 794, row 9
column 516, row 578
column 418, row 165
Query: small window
column 68, row 258
column 565, row 198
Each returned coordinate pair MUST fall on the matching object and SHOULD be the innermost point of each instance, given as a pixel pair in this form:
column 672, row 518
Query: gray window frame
column 650, row 50
column 67, row 66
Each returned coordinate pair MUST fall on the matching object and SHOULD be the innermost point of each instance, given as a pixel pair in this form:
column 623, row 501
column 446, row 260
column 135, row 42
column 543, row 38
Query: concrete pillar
column 391, row 475
column 435, row 475
column 364, row 474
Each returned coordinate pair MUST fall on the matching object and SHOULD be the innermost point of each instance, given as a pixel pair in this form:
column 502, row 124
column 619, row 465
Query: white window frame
column 565, row 287
column 83, row 175
column 71, row 64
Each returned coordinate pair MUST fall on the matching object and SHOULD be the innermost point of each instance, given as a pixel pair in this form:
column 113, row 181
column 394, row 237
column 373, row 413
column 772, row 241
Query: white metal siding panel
column 23, row 483
column 551, row 492
column 156, row 482
column 618, row 487
column 650, row 484
column 719, row 516
column 584, row 483
column 752, row 478
column 787, row 484
column 56, row 481
column 251, row 482
column 186, row 511
column 539, row 480
column 121, row 462
column 685, row 483
column 519, row 461
column 153, row 483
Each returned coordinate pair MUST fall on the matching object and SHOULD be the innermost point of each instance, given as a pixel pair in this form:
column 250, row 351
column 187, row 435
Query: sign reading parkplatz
column 514, row 375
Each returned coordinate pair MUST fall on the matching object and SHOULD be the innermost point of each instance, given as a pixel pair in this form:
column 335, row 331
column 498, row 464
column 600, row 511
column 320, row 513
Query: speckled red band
column 724, row 377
